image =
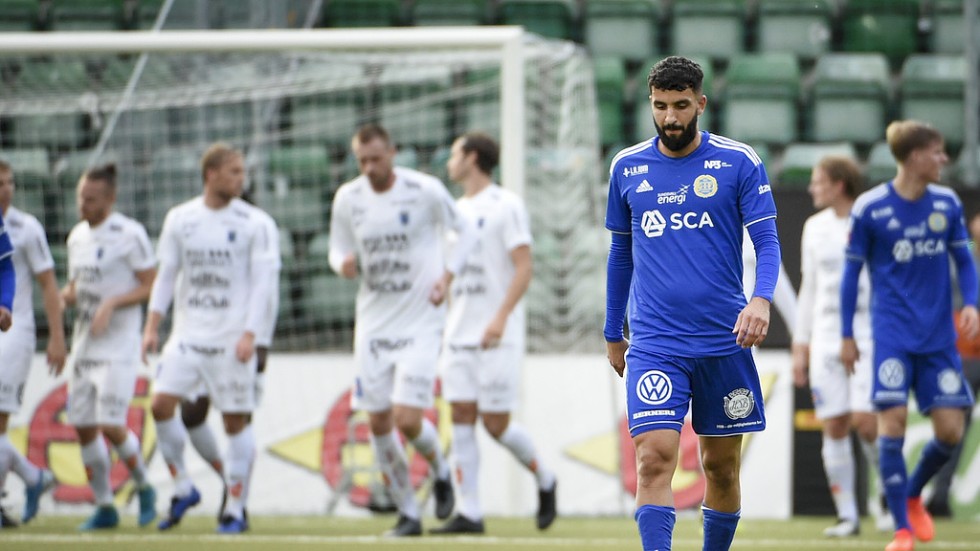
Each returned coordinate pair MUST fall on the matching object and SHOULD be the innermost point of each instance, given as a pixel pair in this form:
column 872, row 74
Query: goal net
column 293, row 110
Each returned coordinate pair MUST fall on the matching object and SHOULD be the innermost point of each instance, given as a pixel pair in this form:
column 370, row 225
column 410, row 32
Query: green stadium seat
column 91, row 15
column 306, row 166
column 298, row 210
column 947, row 33
column 610, row 82
column 482, row 110
column 761, row 98
column 414, row 108
column 629, row 29
column 958, row 172
column 800, row 158
column 174, row 176
column 888, row 27
column 881, row 164
column 362, row 13
column 643, row 128
column 432, row 13
column 932, row 91
column 32, row 176
column 713, row 28
column 548, row 18
column 69, row 167
column 849, row 98
column 800, row 27
column 330, row 299
column 19, row 16
column 52, row 129
column 182, row 15
column 318, row 250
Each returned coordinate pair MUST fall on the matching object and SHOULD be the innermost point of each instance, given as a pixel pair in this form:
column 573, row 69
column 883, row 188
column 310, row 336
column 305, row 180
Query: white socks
column 202, row 438
column 11, row 459
column 172, row 434
column 427, row 444
column 238, row 469
column 390, row 455
column 95, row 457
column 129, row 452
column 466, row 455
column 838, row 462
column 518, row 441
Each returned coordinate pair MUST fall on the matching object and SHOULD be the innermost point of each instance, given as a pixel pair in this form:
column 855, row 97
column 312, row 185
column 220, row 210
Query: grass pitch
column 196, row 533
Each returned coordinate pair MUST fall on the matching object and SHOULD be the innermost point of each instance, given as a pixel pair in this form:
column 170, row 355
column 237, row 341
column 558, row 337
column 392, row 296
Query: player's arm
column 343, row 244
column 466, row 239
column 54, row 312
column 849, row 353
column 138, row 295
column 162, row 291
column 523, row 271
column 752, row 324
column 804, row 313
column 8, row 283
column 263, row 267
column 619, row 274
column 966, row 273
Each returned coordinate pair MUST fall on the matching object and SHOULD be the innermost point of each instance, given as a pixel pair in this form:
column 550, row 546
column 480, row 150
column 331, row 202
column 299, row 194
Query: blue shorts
column 936, row 377
column 723, row 392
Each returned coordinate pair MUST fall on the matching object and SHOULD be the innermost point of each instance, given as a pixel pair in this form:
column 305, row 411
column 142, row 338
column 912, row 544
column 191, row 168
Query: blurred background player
column 483, row 348
column 388, row 225
column 31, row 260
column 216, row 251
column 842, row 400
column 938, row 503
column 676, row 241
column 905, row 230
column 110, row 271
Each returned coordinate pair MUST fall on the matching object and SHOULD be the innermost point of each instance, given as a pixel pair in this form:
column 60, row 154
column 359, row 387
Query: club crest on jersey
column 480, row 221
column 403, row 216
column 99, row 253
column 231, row 236
column 937, row 222
column 891, row 373
column 739, row 403
column 705, row 186
column 654, row 388
column 635, row 170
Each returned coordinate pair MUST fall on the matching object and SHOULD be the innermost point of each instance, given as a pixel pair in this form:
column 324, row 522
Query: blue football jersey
column 905, row 246
column 686, row 217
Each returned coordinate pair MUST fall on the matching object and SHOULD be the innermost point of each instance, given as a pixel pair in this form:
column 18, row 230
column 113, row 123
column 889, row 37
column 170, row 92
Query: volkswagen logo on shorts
column 949, row 381
column 654, row 388
column 891, row 373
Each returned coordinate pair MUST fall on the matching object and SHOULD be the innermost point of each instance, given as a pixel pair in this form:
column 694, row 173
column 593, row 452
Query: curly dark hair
column 676, row 73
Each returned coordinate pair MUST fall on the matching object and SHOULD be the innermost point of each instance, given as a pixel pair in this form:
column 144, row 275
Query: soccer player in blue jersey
column 677, row 207
column 905, row 230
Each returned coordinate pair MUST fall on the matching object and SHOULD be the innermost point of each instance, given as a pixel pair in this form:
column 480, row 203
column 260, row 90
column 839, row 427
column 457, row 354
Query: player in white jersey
column 388, row 226
column 110, row 271
column 842, row 401
column 31, row 260
column 216, row 252
column 483, row 347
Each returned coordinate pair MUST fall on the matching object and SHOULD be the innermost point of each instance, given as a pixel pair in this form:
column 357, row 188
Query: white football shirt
column 31, row 257
column 265, row 334
column 103, row 261
column 822, row 264
column 397, row 237
column 502, row 225
column 213, row 252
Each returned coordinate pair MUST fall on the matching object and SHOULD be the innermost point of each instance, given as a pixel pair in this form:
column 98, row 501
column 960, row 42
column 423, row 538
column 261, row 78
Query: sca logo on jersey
column 654, row 224
column 905, row 250
column 654, row 388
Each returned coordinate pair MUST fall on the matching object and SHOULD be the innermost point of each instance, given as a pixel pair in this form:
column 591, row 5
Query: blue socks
column 934, row 456
column 891, row 464
column 656, row 524
column 719, row 529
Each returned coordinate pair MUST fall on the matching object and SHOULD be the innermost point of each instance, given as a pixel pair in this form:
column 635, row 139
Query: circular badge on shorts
column 949, row 381
column 891, row 373
column 739, row 403
column 705, row 186
column 937, row 222
column 654, row 388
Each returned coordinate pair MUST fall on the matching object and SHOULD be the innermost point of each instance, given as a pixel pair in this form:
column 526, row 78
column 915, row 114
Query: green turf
column 568, row 534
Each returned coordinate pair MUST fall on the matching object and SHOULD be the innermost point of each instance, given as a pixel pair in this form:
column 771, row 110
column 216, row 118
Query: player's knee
column 234, row 423
column 163, row 407
column 496, row 426
column 720, row 470
column 653, row 465
column 194, row 413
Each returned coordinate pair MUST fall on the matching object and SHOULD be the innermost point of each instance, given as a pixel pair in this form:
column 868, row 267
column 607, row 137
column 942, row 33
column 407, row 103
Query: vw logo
column 654, row 388
column 891, row 373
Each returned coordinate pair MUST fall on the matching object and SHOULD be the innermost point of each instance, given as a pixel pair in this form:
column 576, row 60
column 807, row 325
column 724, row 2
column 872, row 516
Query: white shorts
column 100, row 390
column 229, row 382
column 16, row 354
column 398, row 370
column 834, row 392
column 491, row 377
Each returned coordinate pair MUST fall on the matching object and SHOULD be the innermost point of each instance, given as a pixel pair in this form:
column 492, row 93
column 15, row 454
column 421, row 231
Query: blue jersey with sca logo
column 686, row 218
column 906, row 245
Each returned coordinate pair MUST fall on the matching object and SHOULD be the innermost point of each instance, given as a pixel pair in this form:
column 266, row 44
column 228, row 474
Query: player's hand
column 752, row 324
column 245, row 347
column 151, row 343
column 349, row 267
column 440, row 289
column 57, row 352
column 969, row 322
column 102, row 317
column 849, row 354
column 6, row 318
column 493, row 333
column 616, row 353
column 68, row 294
column 801, row 361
